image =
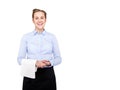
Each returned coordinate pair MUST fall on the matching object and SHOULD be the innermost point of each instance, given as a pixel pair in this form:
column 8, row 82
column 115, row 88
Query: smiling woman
column 39, row 19
column 42, row 47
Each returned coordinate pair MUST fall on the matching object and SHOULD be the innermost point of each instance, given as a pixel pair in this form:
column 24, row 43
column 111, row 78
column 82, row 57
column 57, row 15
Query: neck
column 39, row 30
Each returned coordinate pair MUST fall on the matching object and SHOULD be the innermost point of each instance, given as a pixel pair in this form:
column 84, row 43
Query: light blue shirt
column 39, row 46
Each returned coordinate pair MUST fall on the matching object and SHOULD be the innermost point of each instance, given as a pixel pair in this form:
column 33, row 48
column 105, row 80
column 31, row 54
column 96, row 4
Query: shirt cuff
column 51, row 62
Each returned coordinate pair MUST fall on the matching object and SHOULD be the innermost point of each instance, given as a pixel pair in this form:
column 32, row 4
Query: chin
column 39, row 27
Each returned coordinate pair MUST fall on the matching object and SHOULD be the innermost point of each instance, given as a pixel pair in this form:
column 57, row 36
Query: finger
column 45, row 61
column 48, row 63
column 43, row 65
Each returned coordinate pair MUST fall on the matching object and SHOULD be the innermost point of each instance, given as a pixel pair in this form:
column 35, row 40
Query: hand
column 46, row 62
column 42, row 64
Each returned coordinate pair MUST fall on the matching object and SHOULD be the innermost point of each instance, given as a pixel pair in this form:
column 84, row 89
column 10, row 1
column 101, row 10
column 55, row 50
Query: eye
column 36, row 18
column 42, row 17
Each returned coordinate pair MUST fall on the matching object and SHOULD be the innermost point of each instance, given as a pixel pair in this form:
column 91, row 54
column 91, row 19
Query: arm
column 22, row 50
column 56, row 53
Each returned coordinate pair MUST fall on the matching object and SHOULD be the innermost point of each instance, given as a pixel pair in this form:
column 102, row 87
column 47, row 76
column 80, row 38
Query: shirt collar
column 42, row 33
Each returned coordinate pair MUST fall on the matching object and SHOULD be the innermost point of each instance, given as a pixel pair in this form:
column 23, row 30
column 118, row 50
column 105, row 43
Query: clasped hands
column 43, row 63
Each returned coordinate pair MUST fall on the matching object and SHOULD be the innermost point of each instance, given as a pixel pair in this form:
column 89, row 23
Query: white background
column 88, row 32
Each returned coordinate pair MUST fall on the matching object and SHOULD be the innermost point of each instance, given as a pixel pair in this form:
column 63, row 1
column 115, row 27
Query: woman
column 41, row 46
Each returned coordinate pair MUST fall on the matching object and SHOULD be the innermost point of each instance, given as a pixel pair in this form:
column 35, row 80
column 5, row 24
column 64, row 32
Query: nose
column 39, row 20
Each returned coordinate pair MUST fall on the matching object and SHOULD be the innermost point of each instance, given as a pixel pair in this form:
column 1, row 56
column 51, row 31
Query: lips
column 40, row 24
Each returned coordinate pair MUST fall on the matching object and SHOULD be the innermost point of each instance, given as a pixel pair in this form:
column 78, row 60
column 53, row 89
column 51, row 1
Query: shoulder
column 51, row 35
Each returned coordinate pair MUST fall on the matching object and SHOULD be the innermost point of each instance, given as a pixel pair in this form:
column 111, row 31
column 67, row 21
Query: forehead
column 39, row 14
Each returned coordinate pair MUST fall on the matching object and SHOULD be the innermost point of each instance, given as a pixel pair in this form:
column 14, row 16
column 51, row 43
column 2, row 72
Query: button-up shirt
column 39, row 46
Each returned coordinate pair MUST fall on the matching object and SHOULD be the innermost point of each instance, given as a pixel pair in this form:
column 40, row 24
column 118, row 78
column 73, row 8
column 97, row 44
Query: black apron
column 45, row 80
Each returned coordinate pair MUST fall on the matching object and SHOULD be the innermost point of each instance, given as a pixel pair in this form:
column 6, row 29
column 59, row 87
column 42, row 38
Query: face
column 39, row 20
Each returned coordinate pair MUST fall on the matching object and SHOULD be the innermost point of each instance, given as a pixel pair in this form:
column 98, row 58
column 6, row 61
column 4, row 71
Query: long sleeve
column 28, row 67
column 56, row 53
column 22, row 50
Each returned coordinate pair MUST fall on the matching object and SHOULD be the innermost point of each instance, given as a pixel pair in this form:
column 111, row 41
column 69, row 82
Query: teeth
column 39, row 24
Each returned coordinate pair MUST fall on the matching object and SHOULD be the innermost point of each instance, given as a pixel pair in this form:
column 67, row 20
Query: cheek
column 45, row 20
column 34, row 21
